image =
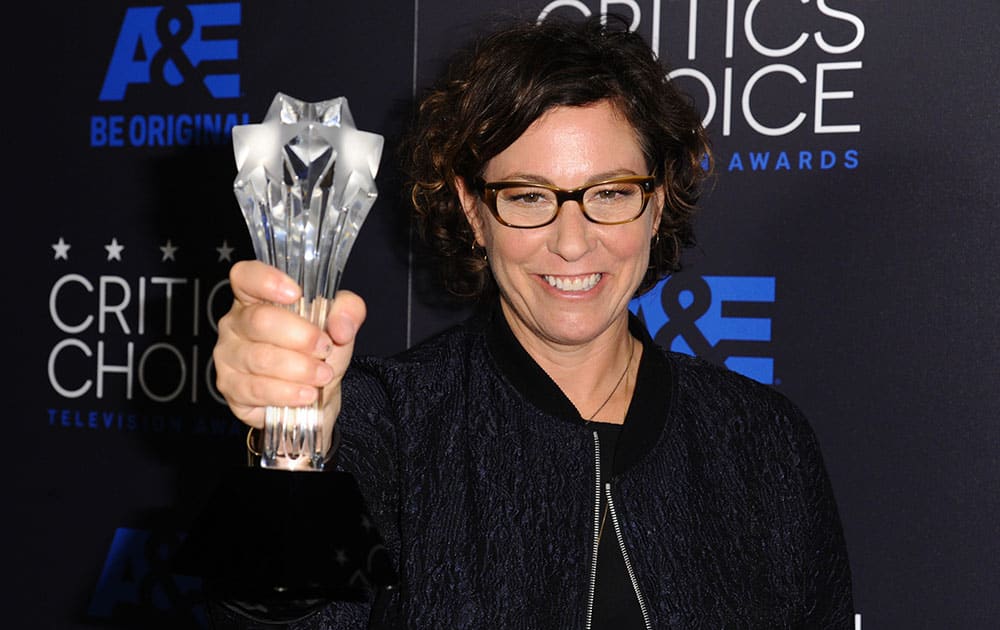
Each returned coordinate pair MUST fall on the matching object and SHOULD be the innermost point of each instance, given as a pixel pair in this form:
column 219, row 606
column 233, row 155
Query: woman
column 545, row 465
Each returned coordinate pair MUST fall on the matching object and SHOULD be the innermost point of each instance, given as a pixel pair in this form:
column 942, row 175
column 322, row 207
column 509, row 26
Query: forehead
column 571, row 145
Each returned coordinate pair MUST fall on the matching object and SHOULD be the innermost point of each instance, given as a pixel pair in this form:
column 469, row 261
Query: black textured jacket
column 483, row 479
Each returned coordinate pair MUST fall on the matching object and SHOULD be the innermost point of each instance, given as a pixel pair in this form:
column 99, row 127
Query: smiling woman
column 568, row 283
column 504, row 84
column 545, row 464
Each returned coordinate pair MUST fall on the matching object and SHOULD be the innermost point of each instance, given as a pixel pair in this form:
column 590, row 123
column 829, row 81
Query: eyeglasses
column 530, row 205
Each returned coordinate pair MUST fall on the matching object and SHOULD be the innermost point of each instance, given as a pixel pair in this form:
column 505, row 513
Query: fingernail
column 348, row 323
column 324, row 373
column 307, row 394
column 289, row 291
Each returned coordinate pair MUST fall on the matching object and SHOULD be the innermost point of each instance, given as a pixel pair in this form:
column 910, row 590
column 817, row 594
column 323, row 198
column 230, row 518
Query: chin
column 578, row 329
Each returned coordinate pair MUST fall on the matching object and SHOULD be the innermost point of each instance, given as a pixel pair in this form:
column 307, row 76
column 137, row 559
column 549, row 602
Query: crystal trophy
column 305, row 184
column 284, row 529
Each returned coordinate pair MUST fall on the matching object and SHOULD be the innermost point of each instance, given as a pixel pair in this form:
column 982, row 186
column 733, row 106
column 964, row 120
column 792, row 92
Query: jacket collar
column 651, row 401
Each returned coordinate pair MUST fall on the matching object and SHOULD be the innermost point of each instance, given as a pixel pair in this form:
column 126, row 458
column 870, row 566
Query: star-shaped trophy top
column 307, row 130
column 305, row 184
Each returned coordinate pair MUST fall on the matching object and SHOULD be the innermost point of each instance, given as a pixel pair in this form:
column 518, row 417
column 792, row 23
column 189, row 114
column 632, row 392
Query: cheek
column 636, row 241
column 640, row 255
column 512, row 246
column 634, row 251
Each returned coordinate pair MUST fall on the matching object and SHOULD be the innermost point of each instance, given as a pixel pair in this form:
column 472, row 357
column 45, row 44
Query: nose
column 572, row 235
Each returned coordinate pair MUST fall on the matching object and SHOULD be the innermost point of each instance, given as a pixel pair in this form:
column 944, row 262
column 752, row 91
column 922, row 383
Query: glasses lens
column 526, row 206
column 613, row 202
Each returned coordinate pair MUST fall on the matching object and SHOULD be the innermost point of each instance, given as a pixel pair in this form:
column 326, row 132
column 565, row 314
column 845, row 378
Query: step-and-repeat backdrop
column 848, row 257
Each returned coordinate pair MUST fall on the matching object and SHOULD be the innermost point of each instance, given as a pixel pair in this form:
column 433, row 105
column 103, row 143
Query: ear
column 657, row 200
column 470, row 206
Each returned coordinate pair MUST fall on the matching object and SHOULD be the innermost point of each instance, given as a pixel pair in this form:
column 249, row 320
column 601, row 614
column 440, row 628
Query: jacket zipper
column 618, row 535
column 597, row 529
column 628, row 563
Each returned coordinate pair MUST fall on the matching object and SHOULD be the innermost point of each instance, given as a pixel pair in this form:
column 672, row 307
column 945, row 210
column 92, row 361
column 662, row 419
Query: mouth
column 575, row 284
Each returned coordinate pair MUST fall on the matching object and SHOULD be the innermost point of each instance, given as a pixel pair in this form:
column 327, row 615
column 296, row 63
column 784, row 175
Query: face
column 567, row 283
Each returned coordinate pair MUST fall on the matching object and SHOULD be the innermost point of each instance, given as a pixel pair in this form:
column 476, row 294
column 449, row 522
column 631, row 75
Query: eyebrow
column 539, row 179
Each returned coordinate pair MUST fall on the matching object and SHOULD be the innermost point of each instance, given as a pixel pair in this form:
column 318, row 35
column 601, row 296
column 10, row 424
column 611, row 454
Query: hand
column 266, row 355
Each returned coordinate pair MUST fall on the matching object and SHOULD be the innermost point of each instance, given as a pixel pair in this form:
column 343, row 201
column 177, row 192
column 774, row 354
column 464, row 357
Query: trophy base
column 274, row 536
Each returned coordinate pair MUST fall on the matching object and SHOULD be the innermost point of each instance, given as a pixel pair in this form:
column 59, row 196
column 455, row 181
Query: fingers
column 254, row 282
column 248, row 397
column 274, row 325
column 256, row 288
column 269, row 356
column 263, row 363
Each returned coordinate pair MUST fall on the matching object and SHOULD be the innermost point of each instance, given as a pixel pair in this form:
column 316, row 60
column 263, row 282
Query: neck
column 597, row 376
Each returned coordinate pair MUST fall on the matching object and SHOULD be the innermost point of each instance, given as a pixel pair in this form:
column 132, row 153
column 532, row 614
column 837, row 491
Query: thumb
column 347, row 314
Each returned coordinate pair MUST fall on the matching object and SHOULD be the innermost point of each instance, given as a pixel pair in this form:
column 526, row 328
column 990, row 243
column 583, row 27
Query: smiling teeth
column 585, row 283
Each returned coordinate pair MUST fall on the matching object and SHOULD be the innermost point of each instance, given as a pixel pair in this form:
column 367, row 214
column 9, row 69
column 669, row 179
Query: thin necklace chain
column 628, row 364
column 618, row 384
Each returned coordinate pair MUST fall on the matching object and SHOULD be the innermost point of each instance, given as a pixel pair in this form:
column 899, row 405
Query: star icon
column 114, row 250
column 225, row 251
column 168, row 251
column 62, row 249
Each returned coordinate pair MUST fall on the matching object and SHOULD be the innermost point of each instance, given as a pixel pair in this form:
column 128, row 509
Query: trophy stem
column 293, row 436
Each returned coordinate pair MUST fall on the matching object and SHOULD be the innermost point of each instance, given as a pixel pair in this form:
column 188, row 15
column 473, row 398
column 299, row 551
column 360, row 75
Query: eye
column 526, row 196
column 612, row 193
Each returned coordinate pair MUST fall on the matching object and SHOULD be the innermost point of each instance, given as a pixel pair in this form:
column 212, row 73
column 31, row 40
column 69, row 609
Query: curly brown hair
column 495, row 90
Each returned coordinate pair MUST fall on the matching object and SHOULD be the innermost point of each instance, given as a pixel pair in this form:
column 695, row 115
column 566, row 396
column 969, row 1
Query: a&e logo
column 724, row 319
column 176, row 44
column 137, row 586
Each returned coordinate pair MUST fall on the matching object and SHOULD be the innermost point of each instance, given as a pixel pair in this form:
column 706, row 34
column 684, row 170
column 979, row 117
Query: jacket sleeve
column 368, row 450
column 825, row 570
